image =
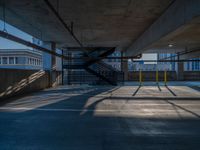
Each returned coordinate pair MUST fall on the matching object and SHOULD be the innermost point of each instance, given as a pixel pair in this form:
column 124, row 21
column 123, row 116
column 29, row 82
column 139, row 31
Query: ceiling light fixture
column 170, row 45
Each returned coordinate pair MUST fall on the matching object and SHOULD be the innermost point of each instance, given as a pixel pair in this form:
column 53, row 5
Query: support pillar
column 62, row 68
column 53, row 75
column 180, row 69
column 124, row 67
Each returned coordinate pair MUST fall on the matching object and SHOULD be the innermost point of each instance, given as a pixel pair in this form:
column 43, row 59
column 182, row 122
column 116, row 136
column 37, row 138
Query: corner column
column 180, row 69
column 124, row 67
column 53, row 66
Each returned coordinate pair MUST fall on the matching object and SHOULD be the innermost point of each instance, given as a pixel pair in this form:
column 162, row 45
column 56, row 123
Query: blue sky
column 7, row 44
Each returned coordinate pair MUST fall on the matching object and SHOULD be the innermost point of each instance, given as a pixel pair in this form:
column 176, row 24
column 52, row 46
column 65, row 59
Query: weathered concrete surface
column 96, row 22
column 17, row 82
column 178, row 26
column 103, row 118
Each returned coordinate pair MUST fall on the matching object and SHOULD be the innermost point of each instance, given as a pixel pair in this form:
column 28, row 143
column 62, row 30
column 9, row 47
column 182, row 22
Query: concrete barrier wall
column 16, row 82
column 58, row 79
column 191, row 75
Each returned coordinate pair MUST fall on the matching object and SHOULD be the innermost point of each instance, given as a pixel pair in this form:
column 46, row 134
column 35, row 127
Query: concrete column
column 124, row 68
column 53, row 66
column 69, row 71
column 62, row 69
column 180, row 70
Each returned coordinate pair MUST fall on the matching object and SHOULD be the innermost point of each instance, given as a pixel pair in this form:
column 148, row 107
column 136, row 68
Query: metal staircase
column 100, row 72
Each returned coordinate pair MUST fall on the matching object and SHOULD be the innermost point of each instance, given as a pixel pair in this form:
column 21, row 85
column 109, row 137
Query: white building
column 20, row 59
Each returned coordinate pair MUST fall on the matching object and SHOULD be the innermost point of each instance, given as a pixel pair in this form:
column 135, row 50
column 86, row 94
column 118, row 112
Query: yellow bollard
column 165, row 77
column 140, row 77
column 157, row 79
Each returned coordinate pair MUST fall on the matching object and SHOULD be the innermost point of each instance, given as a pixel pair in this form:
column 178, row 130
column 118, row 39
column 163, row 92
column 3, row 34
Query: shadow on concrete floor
column 182, row 108
column 197, row 88
column 50, row 129
column 170, row 91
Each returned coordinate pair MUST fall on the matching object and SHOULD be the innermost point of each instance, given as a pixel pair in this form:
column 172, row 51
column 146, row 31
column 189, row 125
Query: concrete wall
column 191, row 75
column 57, row 78
column 17, row 82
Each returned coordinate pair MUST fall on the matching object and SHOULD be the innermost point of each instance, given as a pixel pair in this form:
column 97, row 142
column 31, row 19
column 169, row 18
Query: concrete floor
column 103, row 118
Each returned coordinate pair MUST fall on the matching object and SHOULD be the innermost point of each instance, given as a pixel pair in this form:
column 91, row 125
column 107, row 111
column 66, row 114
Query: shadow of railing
column 52, row 98
column 182, row 108
column 21, row 84
column 170, row 90
column 137, row 90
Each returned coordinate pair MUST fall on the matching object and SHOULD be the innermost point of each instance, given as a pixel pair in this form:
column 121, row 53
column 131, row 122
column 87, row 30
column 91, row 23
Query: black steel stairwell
column 101, row 72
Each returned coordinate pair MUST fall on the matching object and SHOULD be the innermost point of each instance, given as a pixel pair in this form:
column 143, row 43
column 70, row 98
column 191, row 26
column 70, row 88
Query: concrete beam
column 29, row 44
column 195, row 54
column 181, row 12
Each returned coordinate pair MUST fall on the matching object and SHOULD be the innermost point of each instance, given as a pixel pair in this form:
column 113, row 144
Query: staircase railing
column 105, row 73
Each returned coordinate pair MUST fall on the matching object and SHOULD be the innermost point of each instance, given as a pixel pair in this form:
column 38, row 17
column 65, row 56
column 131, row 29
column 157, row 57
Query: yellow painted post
column 157, row 77
column 165, row 77
column 140, row 77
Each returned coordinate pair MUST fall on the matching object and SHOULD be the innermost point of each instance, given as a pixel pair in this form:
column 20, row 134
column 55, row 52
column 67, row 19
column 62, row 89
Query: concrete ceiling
column 97, row 23
column 178, row 26
column 186, row 37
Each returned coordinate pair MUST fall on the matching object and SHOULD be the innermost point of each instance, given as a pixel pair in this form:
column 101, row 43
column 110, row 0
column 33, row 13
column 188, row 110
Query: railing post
column 157, row 78
column 140, row 77
column 165, row 77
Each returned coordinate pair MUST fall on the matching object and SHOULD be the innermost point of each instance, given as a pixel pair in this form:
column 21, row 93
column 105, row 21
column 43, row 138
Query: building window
column 11, row 60
column 20, row 60
column 16, row 60
column 193, row 66
column 5, row 60
column 196, row 65
column 188, row 66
